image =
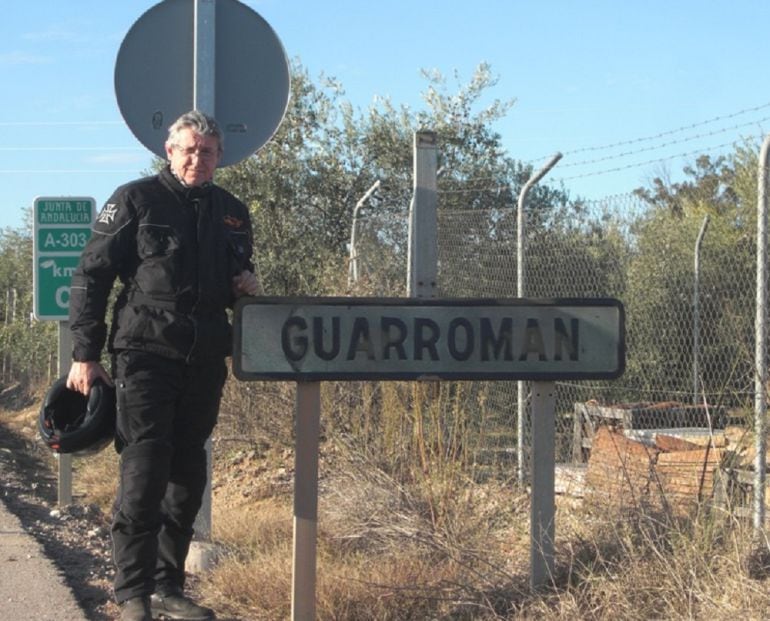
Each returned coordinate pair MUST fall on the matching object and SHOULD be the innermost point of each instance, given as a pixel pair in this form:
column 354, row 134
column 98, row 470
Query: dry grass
column 96, row 478
column 405, row 532
column 383, row 556
column 635, row 566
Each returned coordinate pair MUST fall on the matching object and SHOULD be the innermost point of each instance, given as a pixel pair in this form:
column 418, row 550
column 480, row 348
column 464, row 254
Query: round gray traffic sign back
column 155, row 81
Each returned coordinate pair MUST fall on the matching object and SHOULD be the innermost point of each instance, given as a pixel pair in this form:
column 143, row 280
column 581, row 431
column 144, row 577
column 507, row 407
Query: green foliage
column 302, row 188
column 27, row 347
column 661, row 278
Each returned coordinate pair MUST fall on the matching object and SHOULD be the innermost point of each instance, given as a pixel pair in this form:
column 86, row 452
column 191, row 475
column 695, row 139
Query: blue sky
column 654, row 78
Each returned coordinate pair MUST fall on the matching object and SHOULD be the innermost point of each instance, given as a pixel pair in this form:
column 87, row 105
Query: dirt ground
column 75, row 538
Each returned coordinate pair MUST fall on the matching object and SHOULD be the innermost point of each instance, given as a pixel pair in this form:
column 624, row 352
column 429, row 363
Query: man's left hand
column 246, row 283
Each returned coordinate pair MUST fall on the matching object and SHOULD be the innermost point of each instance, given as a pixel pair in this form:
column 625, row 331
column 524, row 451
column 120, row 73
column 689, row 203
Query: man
column 181, row 247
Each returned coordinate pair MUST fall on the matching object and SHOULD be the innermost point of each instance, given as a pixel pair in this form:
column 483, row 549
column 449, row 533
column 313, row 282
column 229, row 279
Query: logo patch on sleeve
column 233, row 223
column 107, row 215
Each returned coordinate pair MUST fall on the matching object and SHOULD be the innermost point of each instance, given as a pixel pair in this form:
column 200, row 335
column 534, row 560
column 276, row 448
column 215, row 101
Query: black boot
column 136, row 609
column 174, row 605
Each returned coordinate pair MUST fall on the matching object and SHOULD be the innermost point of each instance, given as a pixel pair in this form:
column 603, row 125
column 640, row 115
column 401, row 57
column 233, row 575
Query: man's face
column 193, row 158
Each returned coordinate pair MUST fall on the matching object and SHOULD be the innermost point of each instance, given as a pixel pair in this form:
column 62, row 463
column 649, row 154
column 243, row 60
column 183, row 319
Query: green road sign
column 61, row 229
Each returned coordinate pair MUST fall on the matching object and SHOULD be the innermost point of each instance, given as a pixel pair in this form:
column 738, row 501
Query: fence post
column 353, row 267
column 760, row 343
column 696, row 312
column 422, row 263
column 521, row 281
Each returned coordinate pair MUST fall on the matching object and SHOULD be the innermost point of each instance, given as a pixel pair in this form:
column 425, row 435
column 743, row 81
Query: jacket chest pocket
column 155, row 240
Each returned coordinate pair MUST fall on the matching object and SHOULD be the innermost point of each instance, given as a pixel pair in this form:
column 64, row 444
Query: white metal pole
column 353, row 267
column 204, row 51
column 696, row 311
column 760, row 342
column 64, row 484
column 308, row 417
column 521, row 286
column 204, row 84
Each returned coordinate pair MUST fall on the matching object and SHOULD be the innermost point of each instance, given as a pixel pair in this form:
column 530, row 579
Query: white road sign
column 313, row 339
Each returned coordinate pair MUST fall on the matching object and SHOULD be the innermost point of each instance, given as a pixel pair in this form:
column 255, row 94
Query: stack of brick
column 673, row 474
column 688, row 476
column 620, row 470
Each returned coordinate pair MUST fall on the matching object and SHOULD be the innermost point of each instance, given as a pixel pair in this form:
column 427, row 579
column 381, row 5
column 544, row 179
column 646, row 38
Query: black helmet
column 70, row 422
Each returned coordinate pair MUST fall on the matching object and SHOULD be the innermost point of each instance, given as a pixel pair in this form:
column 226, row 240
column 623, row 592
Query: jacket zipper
column 191, row 315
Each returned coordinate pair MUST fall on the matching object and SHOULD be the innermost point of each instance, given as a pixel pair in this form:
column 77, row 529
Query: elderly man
column 181, row 247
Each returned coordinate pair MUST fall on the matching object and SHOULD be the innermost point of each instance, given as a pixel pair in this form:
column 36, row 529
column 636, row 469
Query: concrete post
column 760, row 343
column 422, row 266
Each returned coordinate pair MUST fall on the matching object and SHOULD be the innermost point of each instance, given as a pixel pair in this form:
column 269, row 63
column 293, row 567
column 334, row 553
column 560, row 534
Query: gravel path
column 47, row 553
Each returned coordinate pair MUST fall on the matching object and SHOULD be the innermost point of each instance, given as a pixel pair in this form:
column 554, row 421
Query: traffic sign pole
column 61, row 227
column 204, row 66
column 64, row 483
column 204, row 98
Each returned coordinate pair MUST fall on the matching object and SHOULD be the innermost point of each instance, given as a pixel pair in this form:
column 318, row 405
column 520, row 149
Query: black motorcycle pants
column 166, row 410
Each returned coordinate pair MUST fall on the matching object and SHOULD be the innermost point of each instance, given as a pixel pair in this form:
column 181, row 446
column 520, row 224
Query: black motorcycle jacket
column 175, row 251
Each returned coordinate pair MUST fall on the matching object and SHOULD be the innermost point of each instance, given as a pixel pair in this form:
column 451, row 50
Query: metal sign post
column 309, row 340
column 61, row 227
column 542, row 504
column 308, row 421
column 204, row 69
column 64, row 483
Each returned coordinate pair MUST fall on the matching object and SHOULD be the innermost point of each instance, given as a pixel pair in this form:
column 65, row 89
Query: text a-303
column 63, row 239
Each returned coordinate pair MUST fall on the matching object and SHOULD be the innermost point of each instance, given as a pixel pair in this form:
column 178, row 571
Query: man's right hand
column 82, row 375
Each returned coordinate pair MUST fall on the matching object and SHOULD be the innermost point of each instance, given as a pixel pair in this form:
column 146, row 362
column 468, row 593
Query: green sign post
column 61, row 228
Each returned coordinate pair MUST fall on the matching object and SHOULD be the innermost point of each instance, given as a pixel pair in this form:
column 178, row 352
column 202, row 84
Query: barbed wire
column 664, row 145
column 659, row 135
column 646, row 163
column 500, row 188
column 508, row 186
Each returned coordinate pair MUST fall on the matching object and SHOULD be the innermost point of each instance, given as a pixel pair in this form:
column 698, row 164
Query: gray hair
column 200, row 123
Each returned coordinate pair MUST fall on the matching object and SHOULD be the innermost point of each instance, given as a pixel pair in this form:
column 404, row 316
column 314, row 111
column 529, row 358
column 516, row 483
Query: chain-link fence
column 688, row 339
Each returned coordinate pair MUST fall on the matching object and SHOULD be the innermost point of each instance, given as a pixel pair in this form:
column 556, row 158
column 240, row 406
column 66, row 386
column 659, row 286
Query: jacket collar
column 182, row 190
